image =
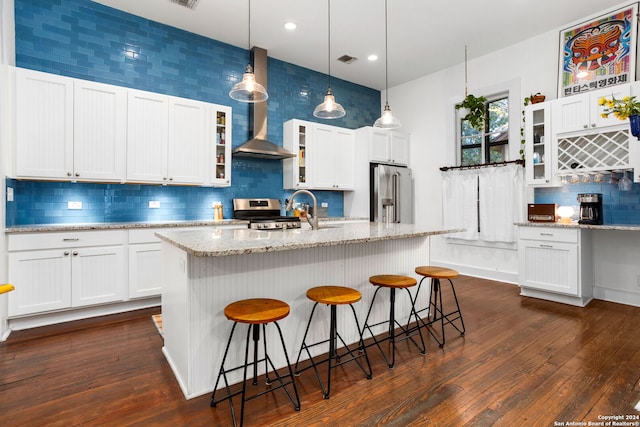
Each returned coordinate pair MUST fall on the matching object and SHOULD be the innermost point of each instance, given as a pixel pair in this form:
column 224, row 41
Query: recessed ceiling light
column 372, row 57
column 290, row 26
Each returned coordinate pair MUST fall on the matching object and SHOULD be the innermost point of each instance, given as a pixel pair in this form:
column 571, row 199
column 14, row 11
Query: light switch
column 9, row 194
column 74, row 205
column 154, row 204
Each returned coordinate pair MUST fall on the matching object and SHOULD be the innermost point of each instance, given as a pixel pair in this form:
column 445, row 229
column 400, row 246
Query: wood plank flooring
column 522, row 362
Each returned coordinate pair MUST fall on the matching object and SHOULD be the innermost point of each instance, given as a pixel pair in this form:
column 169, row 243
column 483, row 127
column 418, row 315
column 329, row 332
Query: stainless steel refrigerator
column 391, row 195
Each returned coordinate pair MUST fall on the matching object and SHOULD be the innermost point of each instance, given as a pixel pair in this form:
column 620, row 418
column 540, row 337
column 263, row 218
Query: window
column 491, row 144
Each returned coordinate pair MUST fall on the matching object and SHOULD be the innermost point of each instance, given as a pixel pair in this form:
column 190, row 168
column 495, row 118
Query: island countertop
column 211, row 242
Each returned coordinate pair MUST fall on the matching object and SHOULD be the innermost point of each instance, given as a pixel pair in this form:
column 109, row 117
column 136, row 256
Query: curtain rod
column 484, row 165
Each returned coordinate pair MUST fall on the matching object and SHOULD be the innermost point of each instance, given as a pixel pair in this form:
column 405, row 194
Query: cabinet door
column 617, row 92
column 549, row 266
column 538, row 141
column 572, row 114
column 399, row 147
column 98, row 275
column 43, row 281
column 44, row 125
column 147, row 137
column 379, row 148
column 221, row 142
column 100, row 131
column 188, row 139
column 323, row 158
column 344, row 159
column 145, row 278
column 297, row 136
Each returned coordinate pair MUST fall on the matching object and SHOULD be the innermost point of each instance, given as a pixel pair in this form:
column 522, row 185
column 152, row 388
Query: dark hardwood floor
column 523, row 362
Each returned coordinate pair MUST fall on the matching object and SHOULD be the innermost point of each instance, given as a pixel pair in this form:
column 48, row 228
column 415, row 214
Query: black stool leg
column 223, row 373
column 303, row 346
column 458, row 311
column 368, row 373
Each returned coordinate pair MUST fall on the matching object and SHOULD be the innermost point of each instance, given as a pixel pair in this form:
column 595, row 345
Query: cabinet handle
column 547, row 246
column 546, row 234
column 66, row 253
column 75, row 253
column 71, row 240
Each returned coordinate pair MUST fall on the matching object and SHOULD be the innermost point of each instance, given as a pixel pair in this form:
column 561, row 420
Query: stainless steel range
column 263, row 214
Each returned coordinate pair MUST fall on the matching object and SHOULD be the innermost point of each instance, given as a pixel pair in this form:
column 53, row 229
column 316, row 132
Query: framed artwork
column 599, row 53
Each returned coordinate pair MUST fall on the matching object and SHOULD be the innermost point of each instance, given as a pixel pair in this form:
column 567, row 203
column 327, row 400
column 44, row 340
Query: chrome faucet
column 311, row 219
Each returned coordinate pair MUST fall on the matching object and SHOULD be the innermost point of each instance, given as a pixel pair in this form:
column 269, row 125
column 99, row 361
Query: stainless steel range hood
column 258, row 145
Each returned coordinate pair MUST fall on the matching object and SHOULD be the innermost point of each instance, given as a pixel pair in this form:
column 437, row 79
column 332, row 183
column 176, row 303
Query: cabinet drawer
column 144, row 235
column 549, row 234
column 71, row 239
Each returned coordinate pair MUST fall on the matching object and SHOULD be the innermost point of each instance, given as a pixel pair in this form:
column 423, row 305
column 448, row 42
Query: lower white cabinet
column 145, row 262
column 554, row 263
column 56, row 271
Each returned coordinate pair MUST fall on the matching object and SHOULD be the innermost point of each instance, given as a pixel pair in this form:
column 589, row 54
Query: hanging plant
column 475, row 107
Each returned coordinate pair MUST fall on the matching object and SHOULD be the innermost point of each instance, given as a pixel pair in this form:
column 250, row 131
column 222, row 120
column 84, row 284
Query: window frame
column 484, row 136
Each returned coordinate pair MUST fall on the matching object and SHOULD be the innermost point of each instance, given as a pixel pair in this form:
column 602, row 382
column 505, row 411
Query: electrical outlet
column 324, row 205
column 74, row 205
column 9, row 194
column 154, row 204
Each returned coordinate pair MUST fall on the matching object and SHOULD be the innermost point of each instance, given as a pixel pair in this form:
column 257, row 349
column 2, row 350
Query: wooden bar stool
column 256, row 312
column 393, row 282
column 435, row 308
column 334, row 296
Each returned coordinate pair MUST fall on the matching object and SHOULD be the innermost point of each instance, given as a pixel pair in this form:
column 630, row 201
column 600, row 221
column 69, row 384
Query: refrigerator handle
column 396, row 205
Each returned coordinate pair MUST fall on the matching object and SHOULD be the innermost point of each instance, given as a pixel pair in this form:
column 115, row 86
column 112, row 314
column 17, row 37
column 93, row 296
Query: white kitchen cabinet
column 326, row 156
column 581, row 113
column 69, row 129
column 147, row 137
column 66, row 270
column 388, row 146
column 44, row 125
column 145, row 278
column 555, row 263
column 539, row 156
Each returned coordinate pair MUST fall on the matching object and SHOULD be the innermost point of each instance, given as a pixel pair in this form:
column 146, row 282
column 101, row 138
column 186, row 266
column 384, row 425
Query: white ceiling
column 424, row 35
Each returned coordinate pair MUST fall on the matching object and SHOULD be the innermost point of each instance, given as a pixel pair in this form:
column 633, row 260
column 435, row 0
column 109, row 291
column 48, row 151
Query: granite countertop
column 146, row 224
column 615, row 227
column 223, row 242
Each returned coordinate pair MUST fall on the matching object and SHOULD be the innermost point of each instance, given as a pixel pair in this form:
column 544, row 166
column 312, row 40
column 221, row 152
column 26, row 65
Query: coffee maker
column 590, row 208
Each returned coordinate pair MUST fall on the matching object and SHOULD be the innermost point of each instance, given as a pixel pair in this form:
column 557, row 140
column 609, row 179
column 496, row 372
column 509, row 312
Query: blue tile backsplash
column 619, row 207
column 89, row 41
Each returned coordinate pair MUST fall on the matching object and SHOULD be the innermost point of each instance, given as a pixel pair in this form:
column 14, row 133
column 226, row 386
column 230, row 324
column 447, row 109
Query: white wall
column 425, row 107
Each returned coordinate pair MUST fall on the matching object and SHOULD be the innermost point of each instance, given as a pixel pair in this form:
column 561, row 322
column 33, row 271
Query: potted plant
column 474, row 110
column 625, row 108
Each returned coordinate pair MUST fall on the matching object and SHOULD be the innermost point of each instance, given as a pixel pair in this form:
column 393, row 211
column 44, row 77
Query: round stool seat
column 333, row 295
column 392, row 281
column 436, row 272
column 257, row 310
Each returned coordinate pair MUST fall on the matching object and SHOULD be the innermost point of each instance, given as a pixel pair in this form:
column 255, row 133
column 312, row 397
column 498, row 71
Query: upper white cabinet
column 69, row 129
column 326, row 156
column 388, row 146
column 582, row 112
column 77, row 130
column 538, row 145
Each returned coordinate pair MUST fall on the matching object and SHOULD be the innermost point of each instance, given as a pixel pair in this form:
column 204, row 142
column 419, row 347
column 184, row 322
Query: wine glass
column 625, row 184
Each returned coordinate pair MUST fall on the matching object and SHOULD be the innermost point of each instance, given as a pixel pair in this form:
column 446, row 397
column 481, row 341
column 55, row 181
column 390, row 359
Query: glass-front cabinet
column 221, row 172
column 538, row 143
column 295, row 140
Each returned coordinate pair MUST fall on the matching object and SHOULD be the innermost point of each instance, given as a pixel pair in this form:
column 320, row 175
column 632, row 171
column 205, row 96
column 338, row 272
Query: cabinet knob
column 68, row 173
column 66, row 253
column 593, row 125
column 585, row 126
column 77, row 174
column 75, row 253
column 170, row 179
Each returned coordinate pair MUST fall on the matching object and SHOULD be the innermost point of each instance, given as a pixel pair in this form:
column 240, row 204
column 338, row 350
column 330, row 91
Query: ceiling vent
column 191, row 4
column 347, row 59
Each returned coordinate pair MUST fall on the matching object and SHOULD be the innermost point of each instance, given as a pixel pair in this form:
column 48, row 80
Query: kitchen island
column 206, row 268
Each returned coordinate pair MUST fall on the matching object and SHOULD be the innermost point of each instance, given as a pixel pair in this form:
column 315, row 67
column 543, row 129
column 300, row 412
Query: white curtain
column 459, row 202
column 501, row 202
column 499, row 192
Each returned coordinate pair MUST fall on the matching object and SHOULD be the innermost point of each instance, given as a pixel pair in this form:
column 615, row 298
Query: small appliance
column 263, row 214
column 590, row 208
column 542, row 212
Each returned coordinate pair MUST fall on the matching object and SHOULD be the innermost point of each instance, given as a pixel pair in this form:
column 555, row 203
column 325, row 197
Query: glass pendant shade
column 387, row 121
column 248, row 90
column 329, row 109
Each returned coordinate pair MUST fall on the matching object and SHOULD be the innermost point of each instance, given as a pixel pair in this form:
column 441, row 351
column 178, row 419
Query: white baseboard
column 483, row 273
column 28, row 322
column 614, row 295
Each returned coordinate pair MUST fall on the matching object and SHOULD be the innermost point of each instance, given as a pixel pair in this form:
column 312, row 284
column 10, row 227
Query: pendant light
column 248, row 90
column 329, row 109
column 386, row 121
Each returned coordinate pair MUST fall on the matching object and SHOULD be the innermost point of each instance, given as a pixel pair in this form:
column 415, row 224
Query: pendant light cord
column 329, row 41
column 386, row 56
column 249, row 47
column 465, row 71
